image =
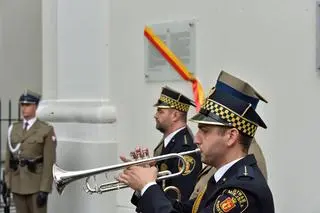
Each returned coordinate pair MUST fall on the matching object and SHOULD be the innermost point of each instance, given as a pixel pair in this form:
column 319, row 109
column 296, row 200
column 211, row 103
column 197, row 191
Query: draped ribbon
column 177, row 64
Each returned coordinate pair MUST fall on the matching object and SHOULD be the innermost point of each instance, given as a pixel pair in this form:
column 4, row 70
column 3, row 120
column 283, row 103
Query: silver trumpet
column 62, row 178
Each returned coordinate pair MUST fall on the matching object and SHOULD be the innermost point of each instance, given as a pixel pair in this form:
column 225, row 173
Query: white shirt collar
column 170, row 136
column 30, row 122
column 222, row 170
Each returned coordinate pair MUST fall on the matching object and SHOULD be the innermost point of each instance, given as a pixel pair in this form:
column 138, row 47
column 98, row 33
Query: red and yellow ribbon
column 177, row 64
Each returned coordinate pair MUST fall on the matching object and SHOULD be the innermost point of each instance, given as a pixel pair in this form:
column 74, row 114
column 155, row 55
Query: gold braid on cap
column 174, row 103
column 242, row 124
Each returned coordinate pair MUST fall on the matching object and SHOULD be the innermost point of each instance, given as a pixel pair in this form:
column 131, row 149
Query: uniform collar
column 239, row 166
column 170, row 136
column 222, row 170
column 30, row 122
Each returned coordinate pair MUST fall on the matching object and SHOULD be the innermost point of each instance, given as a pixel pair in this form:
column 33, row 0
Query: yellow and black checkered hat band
column 174, row 103
column 242, row 124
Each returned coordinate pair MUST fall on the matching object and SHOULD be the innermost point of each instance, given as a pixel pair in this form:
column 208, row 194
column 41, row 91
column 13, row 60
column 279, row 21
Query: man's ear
column 233, row 135
column 175, row 115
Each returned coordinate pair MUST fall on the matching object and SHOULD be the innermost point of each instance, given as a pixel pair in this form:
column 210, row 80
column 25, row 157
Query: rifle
column 5, row 193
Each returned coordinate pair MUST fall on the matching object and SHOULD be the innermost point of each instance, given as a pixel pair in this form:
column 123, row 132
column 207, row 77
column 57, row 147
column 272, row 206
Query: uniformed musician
column 238, row 88
column 171, row 120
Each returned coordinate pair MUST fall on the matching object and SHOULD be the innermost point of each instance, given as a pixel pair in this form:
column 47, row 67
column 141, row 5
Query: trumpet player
column 238, row 88
column 226, row 126
column 171, row 120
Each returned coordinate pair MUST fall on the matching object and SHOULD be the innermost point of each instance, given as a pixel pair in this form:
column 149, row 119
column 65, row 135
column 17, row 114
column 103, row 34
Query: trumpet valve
column 145, row 152
column 139, row 152
column 134, row 155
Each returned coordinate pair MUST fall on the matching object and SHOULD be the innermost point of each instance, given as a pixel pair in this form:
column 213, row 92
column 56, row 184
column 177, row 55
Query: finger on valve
column 139, row 152
column 134, row 155
column 146, row 152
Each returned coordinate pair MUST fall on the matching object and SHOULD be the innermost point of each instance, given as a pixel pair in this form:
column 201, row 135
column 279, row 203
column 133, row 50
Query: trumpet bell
column 59, row 181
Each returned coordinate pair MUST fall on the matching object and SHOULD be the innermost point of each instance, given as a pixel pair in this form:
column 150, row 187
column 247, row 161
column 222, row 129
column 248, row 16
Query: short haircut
column 244, row 140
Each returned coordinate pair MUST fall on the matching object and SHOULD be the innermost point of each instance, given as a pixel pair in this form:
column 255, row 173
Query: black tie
column 26, row 124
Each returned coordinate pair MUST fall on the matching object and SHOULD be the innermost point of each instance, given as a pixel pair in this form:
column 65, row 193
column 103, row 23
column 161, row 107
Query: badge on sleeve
column 190, row 164
column 53, row 137
column 231, row 200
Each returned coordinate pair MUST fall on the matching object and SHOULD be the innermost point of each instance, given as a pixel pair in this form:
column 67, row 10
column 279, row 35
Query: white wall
column 21, row 45
column 271, row 44
column 20, row 52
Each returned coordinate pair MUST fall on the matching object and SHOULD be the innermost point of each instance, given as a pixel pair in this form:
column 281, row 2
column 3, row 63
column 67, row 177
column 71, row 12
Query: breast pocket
column 39, row 140
column 33, row 147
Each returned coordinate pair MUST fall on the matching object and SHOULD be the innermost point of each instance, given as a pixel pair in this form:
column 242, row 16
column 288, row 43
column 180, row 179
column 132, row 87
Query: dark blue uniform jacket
column 241, row 189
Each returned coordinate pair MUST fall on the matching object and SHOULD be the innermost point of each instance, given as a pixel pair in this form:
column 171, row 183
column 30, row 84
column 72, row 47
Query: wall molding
column 77, row 111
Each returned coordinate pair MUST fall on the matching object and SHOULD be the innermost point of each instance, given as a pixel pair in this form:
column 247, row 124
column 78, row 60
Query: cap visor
column 202, row 119
column 160, row 104
column 27, row 102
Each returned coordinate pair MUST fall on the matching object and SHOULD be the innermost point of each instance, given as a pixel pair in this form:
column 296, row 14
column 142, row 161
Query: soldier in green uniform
column 237, row 87
column 31, row 152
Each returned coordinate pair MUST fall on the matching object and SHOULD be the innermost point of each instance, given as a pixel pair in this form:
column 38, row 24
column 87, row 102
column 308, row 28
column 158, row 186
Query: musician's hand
column 124, row 158
column 137, row 177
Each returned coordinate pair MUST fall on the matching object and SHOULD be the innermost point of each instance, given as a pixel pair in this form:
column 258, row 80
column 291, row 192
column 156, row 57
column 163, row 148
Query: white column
column 76, row 96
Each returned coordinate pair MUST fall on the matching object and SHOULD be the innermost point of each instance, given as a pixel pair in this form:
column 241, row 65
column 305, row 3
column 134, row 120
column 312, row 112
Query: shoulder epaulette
column 16, row 122
column 45, row 123
column 245, row 172
column 185, row 140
